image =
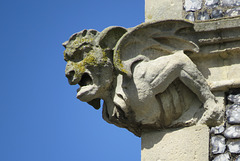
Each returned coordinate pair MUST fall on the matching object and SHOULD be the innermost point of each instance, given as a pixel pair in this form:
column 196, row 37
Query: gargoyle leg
column 194, row 80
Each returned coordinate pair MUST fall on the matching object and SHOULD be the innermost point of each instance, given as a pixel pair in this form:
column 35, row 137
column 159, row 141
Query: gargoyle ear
column 95, row 103
column 109, row 36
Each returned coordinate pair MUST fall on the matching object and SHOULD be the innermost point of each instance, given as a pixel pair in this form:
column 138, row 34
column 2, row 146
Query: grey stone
column 190, row 16
column 217, row 14
column 192, row 5
column 231, row 13
column 233, row 114
column 217, row 130
column 212, row 3
column 230, row 3
column 222, row 157
column 218, row 144
column 232, row 132
column 234, row 98
column 238, row 158
column 234, row 147
column 203, row 16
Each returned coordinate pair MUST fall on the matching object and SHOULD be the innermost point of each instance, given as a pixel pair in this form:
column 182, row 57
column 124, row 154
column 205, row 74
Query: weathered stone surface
column 192, row 5
column 224, row 76
column 218, row 144
column 185, row 144
column 233, row 114
column 230, row 2
column 217, row 130
column 172, row 9
column 222, row 157
column 212, row 3
column 156, row 10
column 233, row 12
column 232, row 132
column 234, row 147
column 234, row 98
column 141, row 92
column 238, row 158
column 214, row 51
column 203, row 16
column 190, row 16
column 217, row 13
column 146, row 49
column 221, row 24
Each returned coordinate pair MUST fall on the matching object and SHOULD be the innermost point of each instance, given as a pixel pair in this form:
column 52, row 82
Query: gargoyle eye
column 73, row 37
column 78, row 55
column 86, row 49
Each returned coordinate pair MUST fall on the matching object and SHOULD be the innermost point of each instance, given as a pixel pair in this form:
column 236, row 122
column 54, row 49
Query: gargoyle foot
column 213, row 114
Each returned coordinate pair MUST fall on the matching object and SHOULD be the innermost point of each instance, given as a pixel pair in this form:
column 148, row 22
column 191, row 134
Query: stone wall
column 210, row 9
column 193, row 10
column 225, row 139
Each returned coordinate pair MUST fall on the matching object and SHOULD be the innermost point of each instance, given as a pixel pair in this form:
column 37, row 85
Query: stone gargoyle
column 143, row 74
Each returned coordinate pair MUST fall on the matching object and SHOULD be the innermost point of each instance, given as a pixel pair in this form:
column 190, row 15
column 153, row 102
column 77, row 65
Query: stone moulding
column 156, row 75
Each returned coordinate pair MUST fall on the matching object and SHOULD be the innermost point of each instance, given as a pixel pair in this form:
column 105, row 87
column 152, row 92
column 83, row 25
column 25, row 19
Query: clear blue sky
column 40, row 118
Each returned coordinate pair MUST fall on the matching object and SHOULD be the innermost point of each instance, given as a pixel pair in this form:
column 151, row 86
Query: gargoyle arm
column 178, row 65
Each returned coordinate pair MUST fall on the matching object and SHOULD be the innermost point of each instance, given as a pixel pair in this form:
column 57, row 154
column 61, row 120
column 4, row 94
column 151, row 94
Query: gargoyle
column 143, row 75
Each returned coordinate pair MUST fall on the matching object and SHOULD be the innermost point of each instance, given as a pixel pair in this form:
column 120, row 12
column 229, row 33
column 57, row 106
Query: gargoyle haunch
column 143, row 75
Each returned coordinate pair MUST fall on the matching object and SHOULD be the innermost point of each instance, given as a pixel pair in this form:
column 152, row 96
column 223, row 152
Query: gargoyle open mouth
column 86, row 87
column 85, row 80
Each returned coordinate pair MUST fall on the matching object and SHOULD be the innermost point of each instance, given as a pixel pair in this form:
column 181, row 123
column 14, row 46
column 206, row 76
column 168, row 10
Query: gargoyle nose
column 72, row 80
column 69, row 72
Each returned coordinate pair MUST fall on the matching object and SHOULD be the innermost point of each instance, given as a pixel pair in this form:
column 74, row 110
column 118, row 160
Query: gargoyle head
column 89, row 64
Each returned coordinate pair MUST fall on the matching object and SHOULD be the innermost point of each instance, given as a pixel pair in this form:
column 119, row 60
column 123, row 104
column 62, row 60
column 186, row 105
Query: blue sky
column 40, row 117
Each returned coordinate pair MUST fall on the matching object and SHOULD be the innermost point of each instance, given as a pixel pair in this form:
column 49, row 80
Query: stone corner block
column 188, row 144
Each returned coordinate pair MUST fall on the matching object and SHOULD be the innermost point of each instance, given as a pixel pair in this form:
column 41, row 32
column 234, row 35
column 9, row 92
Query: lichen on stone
column 118, row 62
column 91, row 60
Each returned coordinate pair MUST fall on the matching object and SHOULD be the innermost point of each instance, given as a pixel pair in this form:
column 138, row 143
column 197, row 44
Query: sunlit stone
column 192, row 5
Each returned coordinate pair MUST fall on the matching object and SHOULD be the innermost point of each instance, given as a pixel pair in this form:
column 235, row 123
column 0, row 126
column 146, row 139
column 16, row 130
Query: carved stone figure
column 143, row 74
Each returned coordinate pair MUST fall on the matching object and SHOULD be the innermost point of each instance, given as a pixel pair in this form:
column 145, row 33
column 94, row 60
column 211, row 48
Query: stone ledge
column 215, row 24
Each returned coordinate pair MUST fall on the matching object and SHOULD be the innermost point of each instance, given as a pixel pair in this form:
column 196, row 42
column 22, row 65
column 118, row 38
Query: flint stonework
column 229, row 130
column 232, row 132
column 234, row 98
column 217, row 130
column 190, row 16
column 212, row 3
column 234, row 147
column 230, row 2
column 218, row 144
column 222, row 157
column 203, row 16
column 233, row 114
column 238, row 158
column 192, row 5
